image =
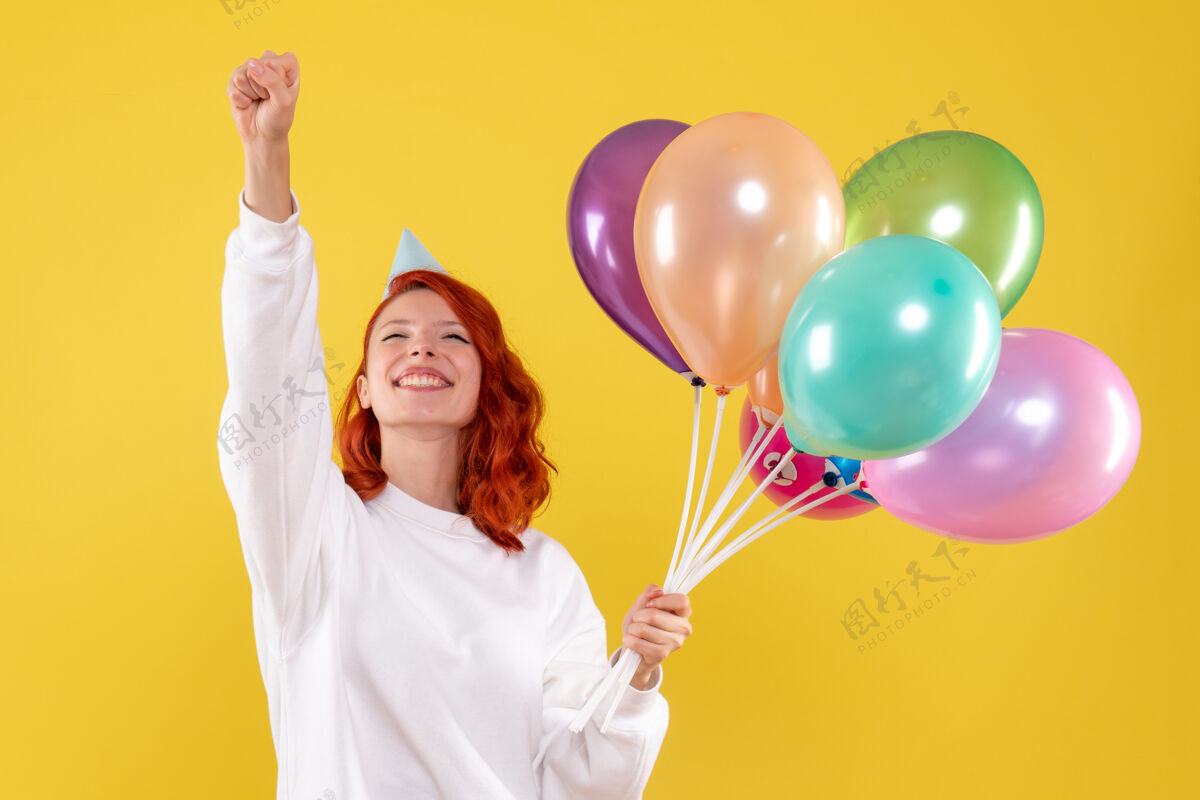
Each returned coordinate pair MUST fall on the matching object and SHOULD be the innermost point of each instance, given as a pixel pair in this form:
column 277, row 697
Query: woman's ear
column 361, row 387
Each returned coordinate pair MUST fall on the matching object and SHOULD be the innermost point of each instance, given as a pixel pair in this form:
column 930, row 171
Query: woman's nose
column 419, row 350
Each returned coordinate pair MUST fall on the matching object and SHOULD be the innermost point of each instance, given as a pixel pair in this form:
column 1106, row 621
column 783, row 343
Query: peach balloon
column 735, row 216
column 763, row 386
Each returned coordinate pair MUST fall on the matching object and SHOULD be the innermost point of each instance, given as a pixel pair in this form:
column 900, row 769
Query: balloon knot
column 830, row 479
column 698, row 381
column 721, row 390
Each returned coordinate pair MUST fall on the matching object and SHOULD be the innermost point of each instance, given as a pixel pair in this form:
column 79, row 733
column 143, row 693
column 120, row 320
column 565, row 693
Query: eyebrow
column 442, row 323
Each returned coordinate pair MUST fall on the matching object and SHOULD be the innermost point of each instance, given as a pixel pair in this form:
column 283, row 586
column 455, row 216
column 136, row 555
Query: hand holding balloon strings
column 656, row 626
column 695, row 566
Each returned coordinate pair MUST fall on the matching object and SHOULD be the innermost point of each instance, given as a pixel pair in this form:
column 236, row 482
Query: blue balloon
column 846, row 471
column 887, row 349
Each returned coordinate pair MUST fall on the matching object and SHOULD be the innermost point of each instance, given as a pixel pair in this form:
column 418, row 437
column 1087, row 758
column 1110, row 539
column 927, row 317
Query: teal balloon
column 793, row 437
column 888, row 348
column 962, row 189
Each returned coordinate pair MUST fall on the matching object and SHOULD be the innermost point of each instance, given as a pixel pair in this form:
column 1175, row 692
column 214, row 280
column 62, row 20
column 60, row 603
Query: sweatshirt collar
column 446, row 523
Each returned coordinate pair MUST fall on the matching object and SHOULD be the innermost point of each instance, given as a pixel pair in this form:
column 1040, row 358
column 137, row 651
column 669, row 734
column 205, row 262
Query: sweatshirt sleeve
column 591, row 765
column 275, row 433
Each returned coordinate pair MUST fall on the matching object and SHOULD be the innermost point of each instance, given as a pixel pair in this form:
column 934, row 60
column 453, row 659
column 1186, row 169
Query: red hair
column 503, row 473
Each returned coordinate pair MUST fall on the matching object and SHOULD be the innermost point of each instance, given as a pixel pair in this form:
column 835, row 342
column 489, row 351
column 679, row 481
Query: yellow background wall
column 1064, row 668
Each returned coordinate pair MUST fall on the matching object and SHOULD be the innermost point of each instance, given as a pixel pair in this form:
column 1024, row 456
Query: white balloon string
column 735, row 480
column 726, row 553
column 698, row 558
column 723, row 531
column 776, row 514
column 753, row 455
column 744, row 469
column 712, row 452
column 593, row 701
column 626, row 676
column 746, row 463
column 763, row 444
column 687, row 499
column 790, row 504
column 723, row 501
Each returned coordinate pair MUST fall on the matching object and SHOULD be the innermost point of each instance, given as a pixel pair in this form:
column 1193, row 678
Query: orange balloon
column 763, row 386
column 734, row 217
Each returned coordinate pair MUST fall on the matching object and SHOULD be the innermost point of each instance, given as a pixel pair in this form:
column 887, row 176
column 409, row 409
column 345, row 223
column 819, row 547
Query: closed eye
column 447, row 336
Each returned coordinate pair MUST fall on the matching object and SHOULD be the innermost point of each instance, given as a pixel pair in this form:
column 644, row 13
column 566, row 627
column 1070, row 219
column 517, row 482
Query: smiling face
column 423, row 370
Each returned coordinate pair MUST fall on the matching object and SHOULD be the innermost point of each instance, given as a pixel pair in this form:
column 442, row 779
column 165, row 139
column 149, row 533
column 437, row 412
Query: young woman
column 416, row 638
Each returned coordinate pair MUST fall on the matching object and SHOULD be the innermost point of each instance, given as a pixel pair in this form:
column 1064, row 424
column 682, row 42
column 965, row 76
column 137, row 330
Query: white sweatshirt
column 403, row 653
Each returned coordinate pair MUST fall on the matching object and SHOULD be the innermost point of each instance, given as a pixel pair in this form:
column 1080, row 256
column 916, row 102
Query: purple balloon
column 1053, row 439
column 600, row 214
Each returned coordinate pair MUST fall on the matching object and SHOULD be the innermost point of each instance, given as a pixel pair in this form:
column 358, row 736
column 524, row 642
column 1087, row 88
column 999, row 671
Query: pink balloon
column 795, row 478
column 1053, row 439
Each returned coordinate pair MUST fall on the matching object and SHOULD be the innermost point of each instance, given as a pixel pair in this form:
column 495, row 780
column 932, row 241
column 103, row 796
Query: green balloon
column 959, row 188
column 888, row 347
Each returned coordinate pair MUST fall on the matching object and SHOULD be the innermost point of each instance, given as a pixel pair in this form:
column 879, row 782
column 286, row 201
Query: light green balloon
column 959, row 188
column 888, row 348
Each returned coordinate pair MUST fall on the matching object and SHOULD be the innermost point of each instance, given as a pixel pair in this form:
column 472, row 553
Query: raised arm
column 275, row 436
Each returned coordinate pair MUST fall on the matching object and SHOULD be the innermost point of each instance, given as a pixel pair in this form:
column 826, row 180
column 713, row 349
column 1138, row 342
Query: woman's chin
column 426, row 421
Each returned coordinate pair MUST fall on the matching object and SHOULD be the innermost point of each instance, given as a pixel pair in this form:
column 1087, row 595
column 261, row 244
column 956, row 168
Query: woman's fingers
column 286, row 66
column 649, row 593
column 647, row 633
column 652, row 591
column 241, row 80
column 251, row 88
column 240, row 93
column 257, row 82
column 677, row 603
column 239, row 98
column 274, row 82
column 649, row 619
column 657, row 625
column 652, row 654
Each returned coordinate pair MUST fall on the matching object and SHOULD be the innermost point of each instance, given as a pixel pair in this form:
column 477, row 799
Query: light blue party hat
column 411, row 254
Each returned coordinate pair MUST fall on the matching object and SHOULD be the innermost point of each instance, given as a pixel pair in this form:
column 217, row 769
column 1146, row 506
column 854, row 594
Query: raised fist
column 262, row 96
